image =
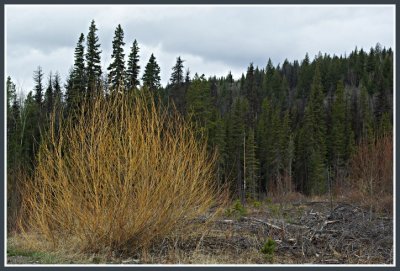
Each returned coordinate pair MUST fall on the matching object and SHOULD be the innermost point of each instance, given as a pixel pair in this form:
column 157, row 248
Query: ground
column 306, row 232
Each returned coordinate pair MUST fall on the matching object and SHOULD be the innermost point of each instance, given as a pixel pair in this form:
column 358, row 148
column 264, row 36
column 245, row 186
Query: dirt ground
column 298, row 233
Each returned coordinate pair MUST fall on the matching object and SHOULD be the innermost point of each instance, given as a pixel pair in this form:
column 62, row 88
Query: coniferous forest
column 309, row 127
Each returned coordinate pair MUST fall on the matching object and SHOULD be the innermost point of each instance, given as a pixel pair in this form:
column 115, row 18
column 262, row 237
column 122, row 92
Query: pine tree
column 79, row 77
column 366, row 115
column 38, row 78
column 177, row 72
column 77, row 80
column 312, row 141
column 93, row 68
column 132, row 72
column 116, row 74
column 338, row 127
column 49, row 95
column 151, row 77
column 13, row 126
column 251, row 166
column 57, row 90
column 177, row 89
column 236, row 134
column 198, row 102
column 251, row 94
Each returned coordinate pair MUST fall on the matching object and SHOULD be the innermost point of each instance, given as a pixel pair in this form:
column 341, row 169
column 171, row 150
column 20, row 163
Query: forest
column 317, row 127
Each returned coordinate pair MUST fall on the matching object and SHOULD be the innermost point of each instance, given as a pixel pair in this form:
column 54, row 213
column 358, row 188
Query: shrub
column 371, row 174
column 237, row 210
column 257, row 204
column 120, row 175
column 269, row 249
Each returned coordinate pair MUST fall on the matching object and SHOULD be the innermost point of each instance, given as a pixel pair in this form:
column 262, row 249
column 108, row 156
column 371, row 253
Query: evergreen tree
column 312, row 141
column 13, row 126
column 116, row 74
column 251, row 95
column 198, row 102
column 338, row 127
column 57, row 90
column 237, row 134
column 251, row 166
column 38, row 78
column 151, row 77
column 366, row 115
column 177, row 72
column 79, row 77
column 133, row 68
column 49, row 95
column 93, row 68
column 177, row 89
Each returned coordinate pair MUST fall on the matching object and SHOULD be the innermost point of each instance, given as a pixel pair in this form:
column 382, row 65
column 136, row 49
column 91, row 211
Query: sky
column 211, row 39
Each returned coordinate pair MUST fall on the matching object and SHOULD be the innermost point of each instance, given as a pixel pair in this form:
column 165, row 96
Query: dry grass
column 120, row 176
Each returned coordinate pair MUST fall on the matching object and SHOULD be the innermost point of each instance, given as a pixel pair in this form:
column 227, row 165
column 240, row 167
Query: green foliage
column 116, row 69
column 237, row 210
column 268, row 249
column 132, row 71
column 257, row 204
column 151, row 77
column 93, row 61
column 274, row 209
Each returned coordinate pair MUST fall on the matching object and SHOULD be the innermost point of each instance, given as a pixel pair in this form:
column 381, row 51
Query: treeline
column 290, row 127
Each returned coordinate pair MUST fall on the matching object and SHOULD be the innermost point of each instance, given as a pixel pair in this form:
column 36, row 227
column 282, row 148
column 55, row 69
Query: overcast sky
column 211, row 39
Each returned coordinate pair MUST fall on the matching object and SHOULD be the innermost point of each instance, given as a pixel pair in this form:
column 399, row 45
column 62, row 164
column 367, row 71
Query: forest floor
column 305, row 232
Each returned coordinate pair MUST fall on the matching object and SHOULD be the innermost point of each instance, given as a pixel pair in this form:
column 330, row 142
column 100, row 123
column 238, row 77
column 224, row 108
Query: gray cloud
column 212, row 39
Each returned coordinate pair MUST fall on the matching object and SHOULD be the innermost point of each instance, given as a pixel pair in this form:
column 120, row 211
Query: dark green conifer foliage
column 77, row 81
column 366, row 115
column 312, row 140
column 198, row 102
column 49, row 95
column 132, row 71
column 177, row 89
column 338, row 134
column 116, row 70
column 251, row 95
column 177, row 72
column 151, row 77
column 57, row 90
column 93, row 64
column 251, row 165
column 38, row 78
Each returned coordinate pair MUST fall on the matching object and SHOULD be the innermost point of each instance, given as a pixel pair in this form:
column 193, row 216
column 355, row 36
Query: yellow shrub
column 119, row 176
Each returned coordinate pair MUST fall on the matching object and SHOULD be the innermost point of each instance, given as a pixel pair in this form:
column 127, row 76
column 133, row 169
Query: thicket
column 118, row 176
column 298, row 126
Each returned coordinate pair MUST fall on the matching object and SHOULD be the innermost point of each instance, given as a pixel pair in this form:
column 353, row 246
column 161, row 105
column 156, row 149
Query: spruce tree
column 366, row 115
column 13, row 126
column 198, row 102
column 338, row 127
column 312, row 140
column 57, row 90
column 177, row 89
column 132, row 72
column 38, row 78
column 177, row 72
column 251, row 166
column 79, row 78
column 77, row 81
column 151, row 77
column 116, row 70
column 49, row 95
column 93, row 68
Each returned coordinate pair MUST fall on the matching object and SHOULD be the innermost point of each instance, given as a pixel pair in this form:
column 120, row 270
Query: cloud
column 212, row 39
